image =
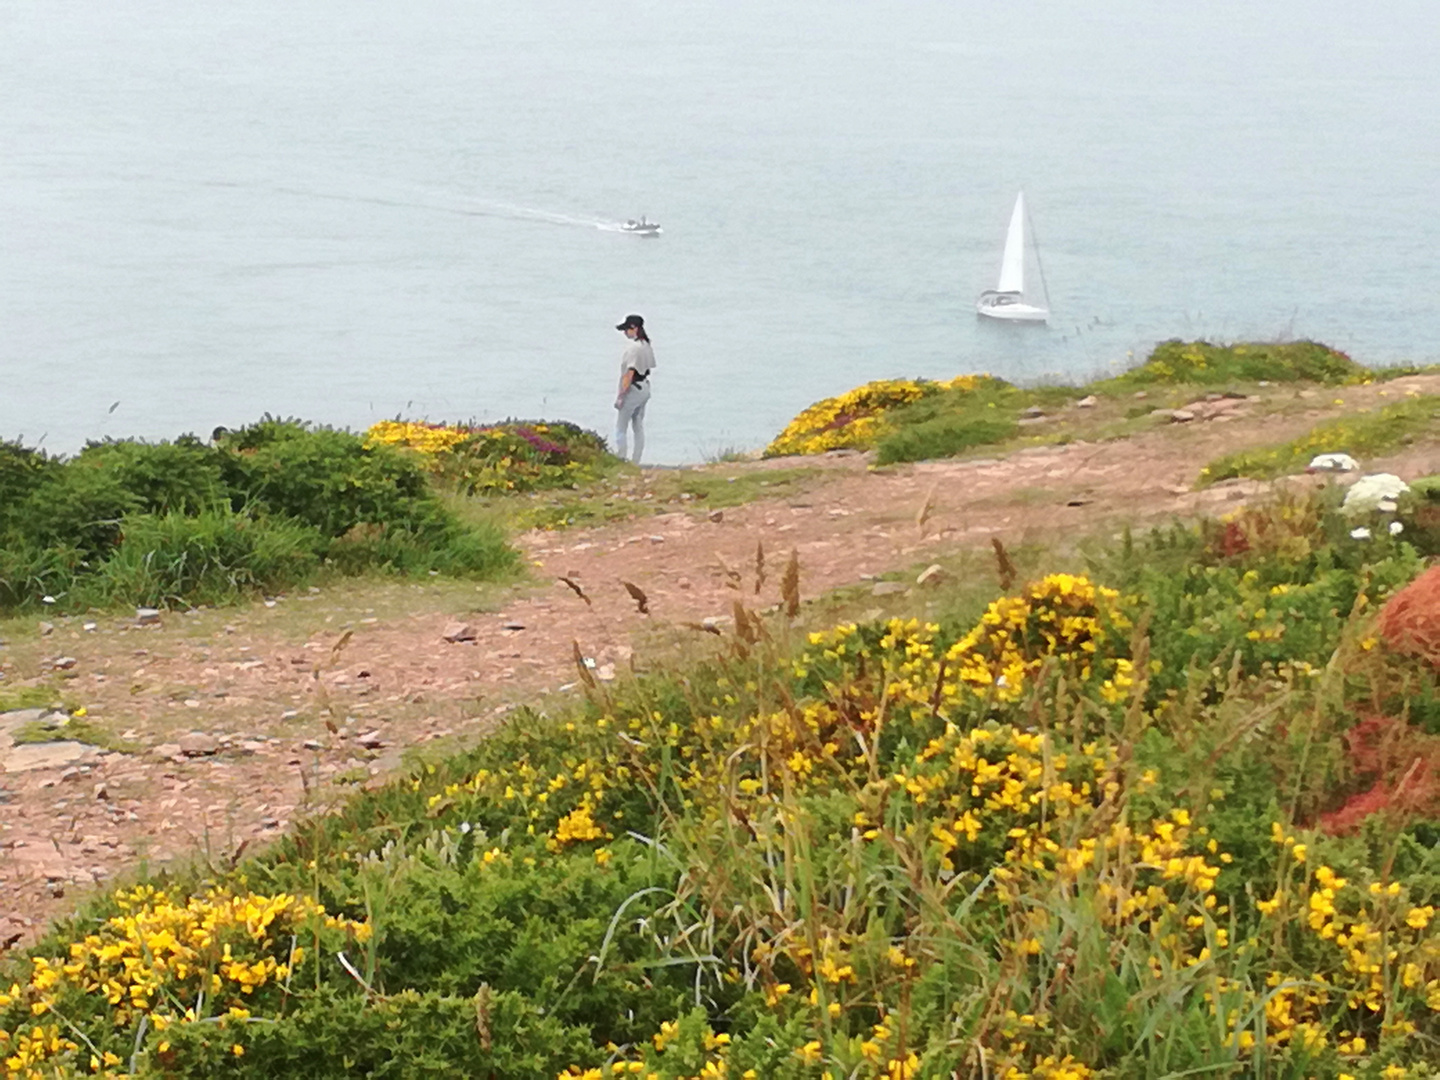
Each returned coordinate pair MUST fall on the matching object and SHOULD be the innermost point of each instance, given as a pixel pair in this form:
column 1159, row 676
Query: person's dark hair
column 640, row 334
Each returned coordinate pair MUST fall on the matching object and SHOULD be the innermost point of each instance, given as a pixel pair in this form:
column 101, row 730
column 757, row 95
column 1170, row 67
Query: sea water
column 351, row 211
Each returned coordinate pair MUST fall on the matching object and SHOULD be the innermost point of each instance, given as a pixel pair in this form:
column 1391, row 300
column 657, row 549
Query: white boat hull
column 1009, row 307
column 1014, row 313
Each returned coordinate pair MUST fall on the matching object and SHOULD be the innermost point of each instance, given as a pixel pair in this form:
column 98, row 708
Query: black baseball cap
column 632, row 321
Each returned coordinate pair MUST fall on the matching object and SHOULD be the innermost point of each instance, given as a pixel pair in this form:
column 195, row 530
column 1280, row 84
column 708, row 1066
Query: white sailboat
column 1007, row 300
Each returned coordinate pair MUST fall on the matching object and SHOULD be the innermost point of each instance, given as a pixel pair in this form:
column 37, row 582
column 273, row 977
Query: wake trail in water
column 442, row 202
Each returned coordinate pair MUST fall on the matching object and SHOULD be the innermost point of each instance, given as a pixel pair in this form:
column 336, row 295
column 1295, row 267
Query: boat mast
column 1035, row 239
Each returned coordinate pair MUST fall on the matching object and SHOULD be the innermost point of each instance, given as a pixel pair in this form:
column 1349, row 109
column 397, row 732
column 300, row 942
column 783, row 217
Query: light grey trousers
column 632, row 414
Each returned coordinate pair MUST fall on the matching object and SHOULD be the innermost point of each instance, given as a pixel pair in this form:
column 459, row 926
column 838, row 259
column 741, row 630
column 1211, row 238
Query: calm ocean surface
column 348, row 211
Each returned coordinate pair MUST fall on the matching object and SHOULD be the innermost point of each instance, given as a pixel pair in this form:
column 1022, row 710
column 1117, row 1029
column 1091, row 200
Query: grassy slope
column 747, row 834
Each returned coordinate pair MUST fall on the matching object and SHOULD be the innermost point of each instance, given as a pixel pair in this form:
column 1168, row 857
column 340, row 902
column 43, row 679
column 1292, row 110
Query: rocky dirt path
column 241, row 722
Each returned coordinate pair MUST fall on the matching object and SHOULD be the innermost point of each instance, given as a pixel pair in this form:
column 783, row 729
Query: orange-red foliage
column 1410, row 620
column 1403, row 765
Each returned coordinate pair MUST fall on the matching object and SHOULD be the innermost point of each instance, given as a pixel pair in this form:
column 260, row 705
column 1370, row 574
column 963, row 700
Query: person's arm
column 626, row 378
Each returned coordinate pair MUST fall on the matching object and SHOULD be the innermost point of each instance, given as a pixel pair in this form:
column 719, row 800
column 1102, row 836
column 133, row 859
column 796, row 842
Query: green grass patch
column 635, row 495
column 28, row 697
column 1363, row 435
column 955, row 420
column 944, row 436
column 76, row 729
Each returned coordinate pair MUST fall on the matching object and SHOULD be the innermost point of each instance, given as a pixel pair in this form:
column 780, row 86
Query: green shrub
column 328, row 479
column 183, row 476
column 395, row 1037
column 22, row 470
column 1203, row 364
column 74, row 508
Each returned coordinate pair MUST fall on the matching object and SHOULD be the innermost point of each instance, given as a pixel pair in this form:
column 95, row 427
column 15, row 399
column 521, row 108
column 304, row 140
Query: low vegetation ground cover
column 1199, row 363
column 629, row 493
column 1362, row 435
column 912, row 420
column 1155, row 812
column 261, row 509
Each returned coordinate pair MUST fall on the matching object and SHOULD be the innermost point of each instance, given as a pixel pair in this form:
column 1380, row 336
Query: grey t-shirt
column 638, row 355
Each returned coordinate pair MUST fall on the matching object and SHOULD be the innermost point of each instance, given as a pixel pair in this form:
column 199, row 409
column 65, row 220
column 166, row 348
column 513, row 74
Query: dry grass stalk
column 732, row 576
column 747, row 626
column 322, row 696
column 1006, row 569
column 638, row 595
column 577, row 590
column 790, row 585
column 482, row 1017
column 759, row 565
column 922, row 517
column 339, row 646
column 585, row 674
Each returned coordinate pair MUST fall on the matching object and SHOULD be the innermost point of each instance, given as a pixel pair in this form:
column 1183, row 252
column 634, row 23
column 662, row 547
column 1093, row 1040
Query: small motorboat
column 641, row 227
column 1007, row 301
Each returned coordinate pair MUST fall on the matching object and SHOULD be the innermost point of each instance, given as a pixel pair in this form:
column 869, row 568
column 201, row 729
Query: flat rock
column 887, row 588
column 1181, row 416
column 716, row 515
column 48, row 755
column 371, row 740
column 198, row 744
column 16, row 717
column 1088, row 402
column 1032, row 412
column 147, row 616
column 457, row 632
column 166, row 750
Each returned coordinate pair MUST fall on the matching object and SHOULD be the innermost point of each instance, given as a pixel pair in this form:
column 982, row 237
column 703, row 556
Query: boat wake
column 414, row 197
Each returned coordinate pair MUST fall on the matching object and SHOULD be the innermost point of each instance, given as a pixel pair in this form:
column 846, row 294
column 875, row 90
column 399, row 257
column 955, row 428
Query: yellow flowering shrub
column 498, row 458
column 164, row 960
column 856, row 418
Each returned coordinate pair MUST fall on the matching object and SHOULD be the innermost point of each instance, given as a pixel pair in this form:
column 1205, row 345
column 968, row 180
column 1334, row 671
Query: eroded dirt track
column 244, row 719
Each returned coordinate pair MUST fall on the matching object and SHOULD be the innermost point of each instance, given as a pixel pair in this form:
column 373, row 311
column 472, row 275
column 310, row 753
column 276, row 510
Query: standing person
column 636, row 363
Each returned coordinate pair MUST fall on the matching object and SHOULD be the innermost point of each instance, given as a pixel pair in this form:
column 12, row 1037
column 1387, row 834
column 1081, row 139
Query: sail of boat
column 1012, row 264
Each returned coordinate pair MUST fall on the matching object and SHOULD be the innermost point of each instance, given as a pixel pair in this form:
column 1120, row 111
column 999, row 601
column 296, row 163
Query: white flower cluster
column 1374, row 494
